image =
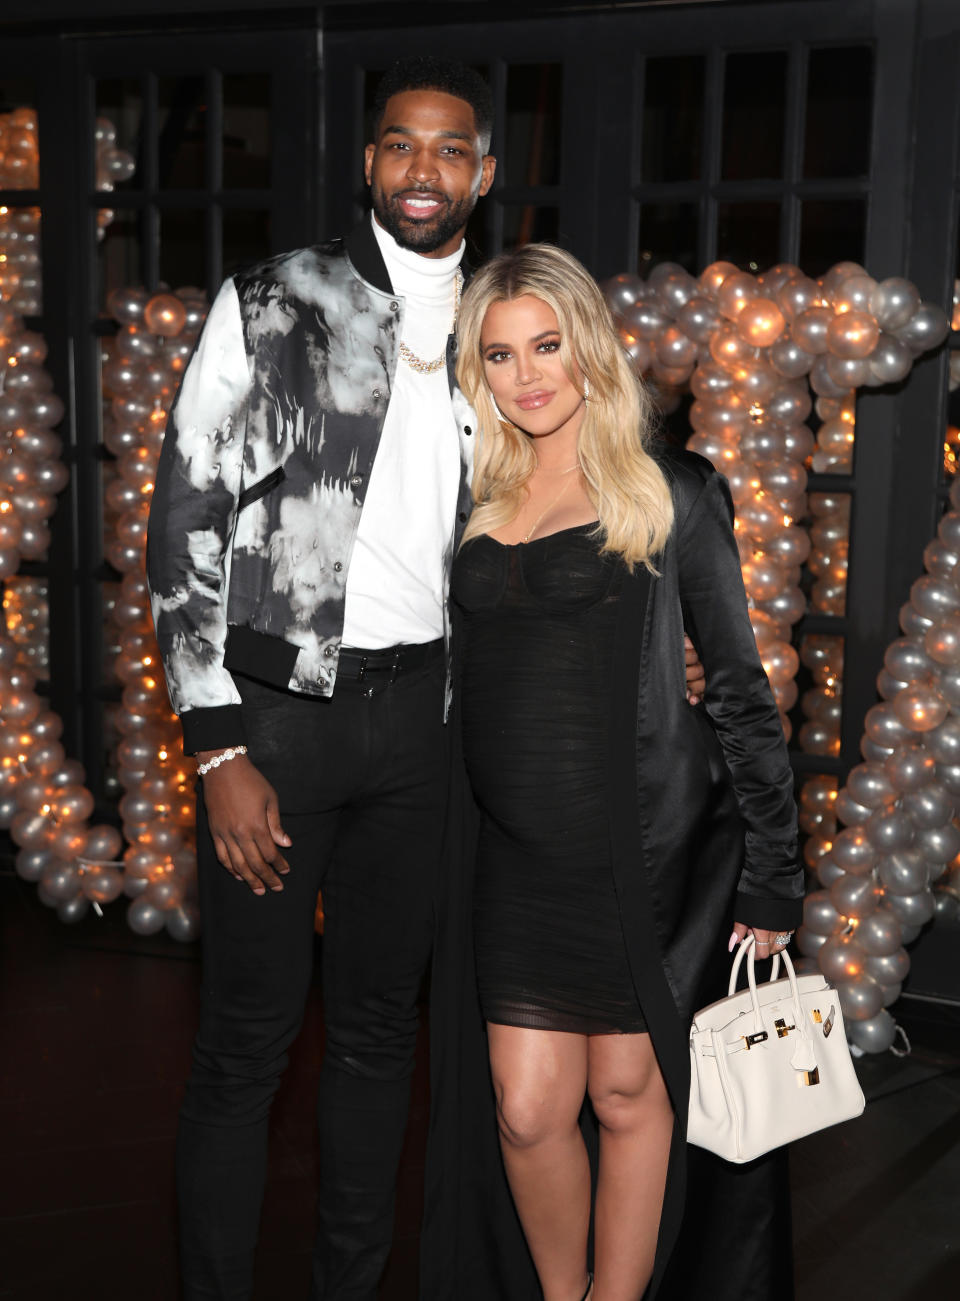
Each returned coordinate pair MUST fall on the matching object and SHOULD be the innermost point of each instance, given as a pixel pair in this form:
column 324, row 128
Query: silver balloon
column 183, row 923
column 869, row 785
column 911, row 767
column 907, row 659
column 809, row 942
column 947, row 906
column 855, row 896
column 891, row 993
column 849, row 812
column 903, row 873
column 73, row 910
column 860, row 999
column 875, row 1035
column 948, row 776
column 926, row 329
column 145, row 918
column 30, row 864
column 894, row 302
column 819, row 914
column 913, row 623
column 888, row 830
column 890, row 968
column 934, row 597
column 60, row 880
column 943, row 742
column 890, row 361
column 840, row 958
column 912, row 910
column 853, row 851
column 938, row 844
column 930, row 806
column 880, row 933
column 828, row 871
column 884, row 727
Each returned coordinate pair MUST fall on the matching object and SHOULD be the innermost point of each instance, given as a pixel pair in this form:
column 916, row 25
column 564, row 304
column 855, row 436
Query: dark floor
column 95, row 1028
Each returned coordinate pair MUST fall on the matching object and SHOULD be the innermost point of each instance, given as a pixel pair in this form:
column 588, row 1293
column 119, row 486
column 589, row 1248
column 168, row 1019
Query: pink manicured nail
column 732, row 942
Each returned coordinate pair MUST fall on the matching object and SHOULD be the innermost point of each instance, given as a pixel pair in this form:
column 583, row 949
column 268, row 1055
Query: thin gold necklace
column 430, row 367
column 550, row 505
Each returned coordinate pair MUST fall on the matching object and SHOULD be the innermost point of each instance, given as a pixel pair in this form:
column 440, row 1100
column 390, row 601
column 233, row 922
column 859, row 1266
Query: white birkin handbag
column 769, row 1064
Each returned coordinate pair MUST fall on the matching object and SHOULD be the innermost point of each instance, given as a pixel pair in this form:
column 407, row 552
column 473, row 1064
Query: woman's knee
column 626, row 1105
column 527, row 1118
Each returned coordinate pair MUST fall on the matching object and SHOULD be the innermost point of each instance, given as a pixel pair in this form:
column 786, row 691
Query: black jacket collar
column 364, row 252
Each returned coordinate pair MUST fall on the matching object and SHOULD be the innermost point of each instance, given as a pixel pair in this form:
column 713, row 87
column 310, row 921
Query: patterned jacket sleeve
column 741, row 707
column 191, row 524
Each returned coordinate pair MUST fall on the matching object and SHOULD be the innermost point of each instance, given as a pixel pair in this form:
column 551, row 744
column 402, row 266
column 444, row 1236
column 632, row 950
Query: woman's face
column 520, row 344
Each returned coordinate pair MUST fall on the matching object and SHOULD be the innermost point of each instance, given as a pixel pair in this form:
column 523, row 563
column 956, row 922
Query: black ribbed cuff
column 768, row 914
column 212, row 729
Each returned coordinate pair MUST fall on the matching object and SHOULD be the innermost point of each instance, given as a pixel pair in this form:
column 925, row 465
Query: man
column 313, row 487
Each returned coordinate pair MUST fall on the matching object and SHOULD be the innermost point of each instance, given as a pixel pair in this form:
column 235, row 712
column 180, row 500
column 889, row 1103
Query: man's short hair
column 427, row 72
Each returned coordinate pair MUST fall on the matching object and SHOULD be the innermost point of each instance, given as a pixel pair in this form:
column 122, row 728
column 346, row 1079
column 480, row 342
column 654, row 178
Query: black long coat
column 703, row 832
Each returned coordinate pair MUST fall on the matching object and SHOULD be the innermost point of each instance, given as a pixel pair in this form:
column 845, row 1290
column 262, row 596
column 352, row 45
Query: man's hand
column 244, row 818
column 696, row 682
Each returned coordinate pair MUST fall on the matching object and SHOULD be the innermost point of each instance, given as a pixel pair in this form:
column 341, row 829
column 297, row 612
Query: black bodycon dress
column 539, row 621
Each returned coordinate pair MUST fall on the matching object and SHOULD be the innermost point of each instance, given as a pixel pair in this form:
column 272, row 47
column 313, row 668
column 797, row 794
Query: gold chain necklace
column 550, row 505
column 429, row 367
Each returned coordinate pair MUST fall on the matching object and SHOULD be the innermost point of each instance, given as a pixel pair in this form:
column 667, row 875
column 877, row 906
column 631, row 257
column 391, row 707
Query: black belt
column 357, row 664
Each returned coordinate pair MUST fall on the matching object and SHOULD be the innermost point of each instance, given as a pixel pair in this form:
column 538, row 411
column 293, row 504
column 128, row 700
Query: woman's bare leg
column 636, row 1127
column 540, row 1080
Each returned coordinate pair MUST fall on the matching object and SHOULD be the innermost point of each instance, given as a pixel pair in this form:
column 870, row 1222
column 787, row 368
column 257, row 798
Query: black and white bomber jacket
column 263, row 474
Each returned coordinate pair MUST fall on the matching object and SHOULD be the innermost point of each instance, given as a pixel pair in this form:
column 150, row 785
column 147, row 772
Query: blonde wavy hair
column 623, row 481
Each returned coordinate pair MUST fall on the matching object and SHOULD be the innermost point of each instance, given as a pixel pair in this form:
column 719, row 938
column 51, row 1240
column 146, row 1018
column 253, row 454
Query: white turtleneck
column 395, row 587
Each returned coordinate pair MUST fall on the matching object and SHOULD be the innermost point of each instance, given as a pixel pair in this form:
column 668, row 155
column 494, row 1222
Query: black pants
column 362, row 785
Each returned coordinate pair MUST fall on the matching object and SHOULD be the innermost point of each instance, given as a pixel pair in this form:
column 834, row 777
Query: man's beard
column 422, row 236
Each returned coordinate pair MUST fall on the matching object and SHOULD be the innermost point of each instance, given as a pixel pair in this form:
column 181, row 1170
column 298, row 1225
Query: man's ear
column 368, row 153
column 488, row 169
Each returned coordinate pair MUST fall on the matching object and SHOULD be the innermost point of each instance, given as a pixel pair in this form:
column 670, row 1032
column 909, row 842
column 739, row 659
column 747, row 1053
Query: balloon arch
column 750, row 350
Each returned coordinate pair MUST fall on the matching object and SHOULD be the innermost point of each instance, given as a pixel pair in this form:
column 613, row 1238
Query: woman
column 614, row 817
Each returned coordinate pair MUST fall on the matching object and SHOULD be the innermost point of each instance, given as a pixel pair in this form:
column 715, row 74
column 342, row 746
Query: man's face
column 426, row 170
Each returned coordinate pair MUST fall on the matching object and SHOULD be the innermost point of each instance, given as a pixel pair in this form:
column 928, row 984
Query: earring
column 586, row 389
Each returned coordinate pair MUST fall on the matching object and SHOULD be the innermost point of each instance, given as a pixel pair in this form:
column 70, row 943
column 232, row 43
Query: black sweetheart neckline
column 544, row 537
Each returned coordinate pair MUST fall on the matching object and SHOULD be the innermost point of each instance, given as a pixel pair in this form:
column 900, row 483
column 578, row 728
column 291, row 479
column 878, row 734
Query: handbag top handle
column 745, row 944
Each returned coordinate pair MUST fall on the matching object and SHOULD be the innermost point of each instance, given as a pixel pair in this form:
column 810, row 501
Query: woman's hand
column 766, row 943
column 696, row 681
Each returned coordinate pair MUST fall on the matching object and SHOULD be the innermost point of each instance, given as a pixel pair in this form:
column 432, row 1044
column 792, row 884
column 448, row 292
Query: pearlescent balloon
column 891, row 360
column 890, row 968
column 854, row 896
column 938, row 844
column 920, row 708
column 819, row 914
column 860, row 999
column 894, row 302
column 875, row 1035
column 913, row 910
column 841, row 958
column 869, row 785
column 809, row 943
column 73, row 909
column 854, row 852
column 930, row 806
column 880, row 933
column 889, row 829
column 183, row 922
column 927, row 328
column 849, row 812
column 934, row 597
column 903, row 873
column 145, row 918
